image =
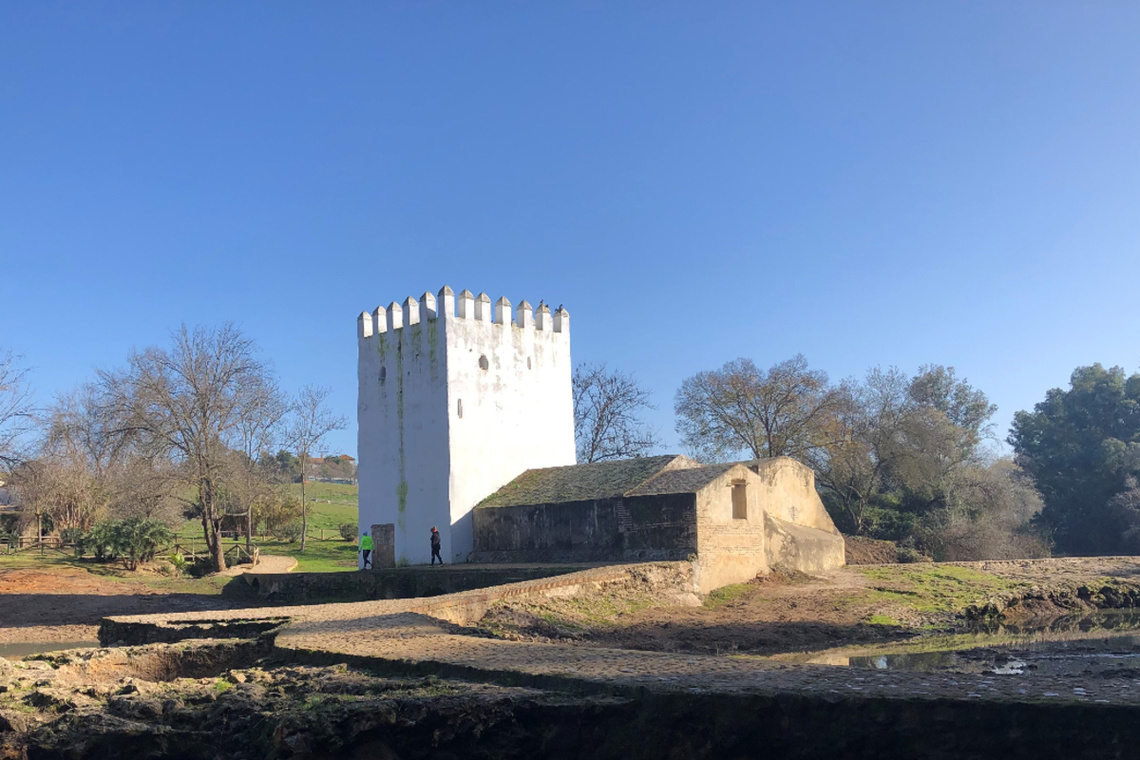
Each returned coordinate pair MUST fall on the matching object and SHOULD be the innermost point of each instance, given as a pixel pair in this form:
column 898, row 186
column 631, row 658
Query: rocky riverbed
column 385, row 680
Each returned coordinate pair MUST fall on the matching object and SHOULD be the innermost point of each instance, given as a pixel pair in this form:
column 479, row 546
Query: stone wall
column 797, row 547
column 395, row 583
column 630, row 529
column 730, row 549
column 788, row 493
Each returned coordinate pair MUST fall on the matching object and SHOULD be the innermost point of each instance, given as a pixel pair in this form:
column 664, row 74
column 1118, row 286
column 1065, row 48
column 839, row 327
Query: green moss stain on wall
column 402, row 489
column 433, row 343
column 402, row 499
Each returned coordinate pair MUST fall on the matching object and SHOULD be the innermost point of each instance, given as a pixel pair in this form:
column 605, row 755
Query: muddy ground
column 56, row 602
column 850, row 606
column 853, row 605
column 224, row 700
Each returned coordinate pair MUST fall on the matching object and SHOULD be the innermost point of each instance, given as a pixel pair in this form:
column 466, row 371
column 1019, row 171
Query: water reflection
column 1105, row 644
column 22, row 649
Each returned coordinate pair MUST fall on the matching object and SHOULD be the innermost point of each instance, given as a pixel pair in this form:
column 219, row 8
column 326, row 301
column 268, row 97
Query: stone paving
column 408, row 634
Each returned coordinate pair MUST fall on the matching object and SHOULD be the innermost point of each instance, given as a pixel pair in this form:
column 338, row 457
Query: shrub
column 139, row 539
column 179, row 564
column 277, row 511
column 290, row 531
column 73, row 536
column 102, row 540
column 134, row 541
column 908, row 554
column 348, row 531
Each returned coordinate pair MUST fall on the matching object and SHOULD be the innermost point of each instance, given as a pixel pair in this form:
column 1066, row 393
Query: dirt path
column 268, row 563
column 63, row 603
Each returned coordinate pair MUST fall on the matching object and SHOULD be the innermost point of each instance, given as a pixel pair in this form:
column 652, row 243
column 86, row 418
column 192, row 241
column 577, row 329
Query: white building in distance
column 456, row 398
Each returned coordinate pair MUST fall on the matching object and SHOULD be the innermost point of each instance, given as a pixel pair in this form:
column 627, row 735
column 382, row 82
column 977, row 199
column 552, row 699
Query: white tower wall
column 454, row 407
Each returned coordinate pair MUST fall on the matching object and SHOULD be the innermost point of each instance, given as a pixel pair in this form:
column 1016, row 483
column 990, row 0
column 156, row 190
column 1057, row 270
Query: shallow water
column 21, row 649
column 1105, row 645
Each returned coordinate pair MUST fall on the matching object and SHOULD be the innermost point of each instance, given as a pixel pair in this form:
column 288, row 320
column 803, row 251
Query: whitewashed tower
column 456, row 399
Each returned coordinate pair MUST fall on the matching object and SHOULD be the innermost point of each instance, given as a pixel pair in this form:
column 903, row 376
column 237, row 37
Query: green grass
column 883, row 620
column 330, row 555
column 935, row 588
column 330, row 505
column 726, row 594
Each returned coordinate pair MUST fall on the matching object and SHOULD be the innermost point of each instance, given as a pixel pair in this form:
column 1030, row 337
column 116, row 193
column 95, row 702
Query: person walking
column 435, row 544
column 366, row 550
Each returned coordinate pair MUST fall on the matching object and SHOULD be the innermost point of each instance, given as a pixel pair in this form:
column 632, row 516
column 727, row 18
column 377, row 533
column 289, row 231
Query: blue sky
column 863, row 183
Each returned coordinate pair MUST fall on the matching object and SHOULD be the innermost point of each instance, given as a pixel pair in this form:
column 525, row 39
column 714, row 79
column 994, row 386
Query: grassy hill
column 330, row 505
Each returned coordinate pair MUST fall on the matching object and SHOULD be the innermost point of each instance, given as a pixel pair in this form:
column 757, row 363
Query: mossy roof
column 644, row 476
column 688, row 480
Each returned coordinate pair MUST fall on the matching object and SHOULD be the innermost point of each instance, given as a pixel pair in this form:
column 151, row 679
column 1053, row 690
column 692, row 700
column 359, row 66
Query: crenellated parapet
column 466, row 306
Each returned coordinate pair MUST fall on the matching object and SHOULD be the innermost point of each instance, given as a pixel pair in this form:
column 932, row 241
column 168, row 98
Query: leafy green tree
column 1080, row 446
column 897, row 445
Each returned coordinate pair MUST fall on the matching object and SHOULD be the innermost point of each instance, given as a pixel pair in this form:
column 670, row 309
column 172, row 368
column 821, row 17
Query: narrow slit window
column 739, row 500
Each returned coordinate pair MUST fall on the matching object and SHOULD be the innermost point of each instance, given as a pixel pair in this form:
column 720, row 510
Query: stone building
column 737, row 520
column 458, row 397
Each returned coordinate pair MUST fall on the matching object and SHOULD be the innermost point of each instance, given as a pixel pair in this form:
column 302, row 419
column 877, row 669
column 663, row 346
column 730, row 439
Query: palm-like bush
column 140, row 538
column 101, row 541
column 134, row 541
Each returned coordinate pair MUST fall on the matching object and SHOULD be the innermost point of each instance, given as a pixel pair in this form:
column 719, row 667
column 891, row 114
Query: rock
column 236, row 676
column 133, row 708
column 50, row 699
column 15, row 722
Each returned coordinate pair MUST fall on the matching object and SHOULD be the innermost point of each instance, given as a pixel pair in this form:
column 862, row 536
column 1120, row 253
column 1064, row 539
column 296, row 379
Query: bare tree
column 68, row 478
column 989, row 516
column 311, row 420
column 258, row 432
column 16, row 411
column 864, row 436
column 739, row 408
column 606, row 409
column 145, row 487
column 190, row 404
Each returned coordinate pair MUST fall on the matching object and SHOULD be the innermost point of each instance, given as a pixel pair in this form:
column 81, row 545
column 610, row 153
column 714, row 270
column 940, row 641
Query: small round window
column 483, row 363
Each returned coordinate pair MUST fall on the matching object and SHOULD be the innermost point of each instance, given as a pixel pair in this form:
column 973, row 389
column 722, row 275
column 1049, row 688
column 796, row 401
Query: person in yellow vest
column 366, row 550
